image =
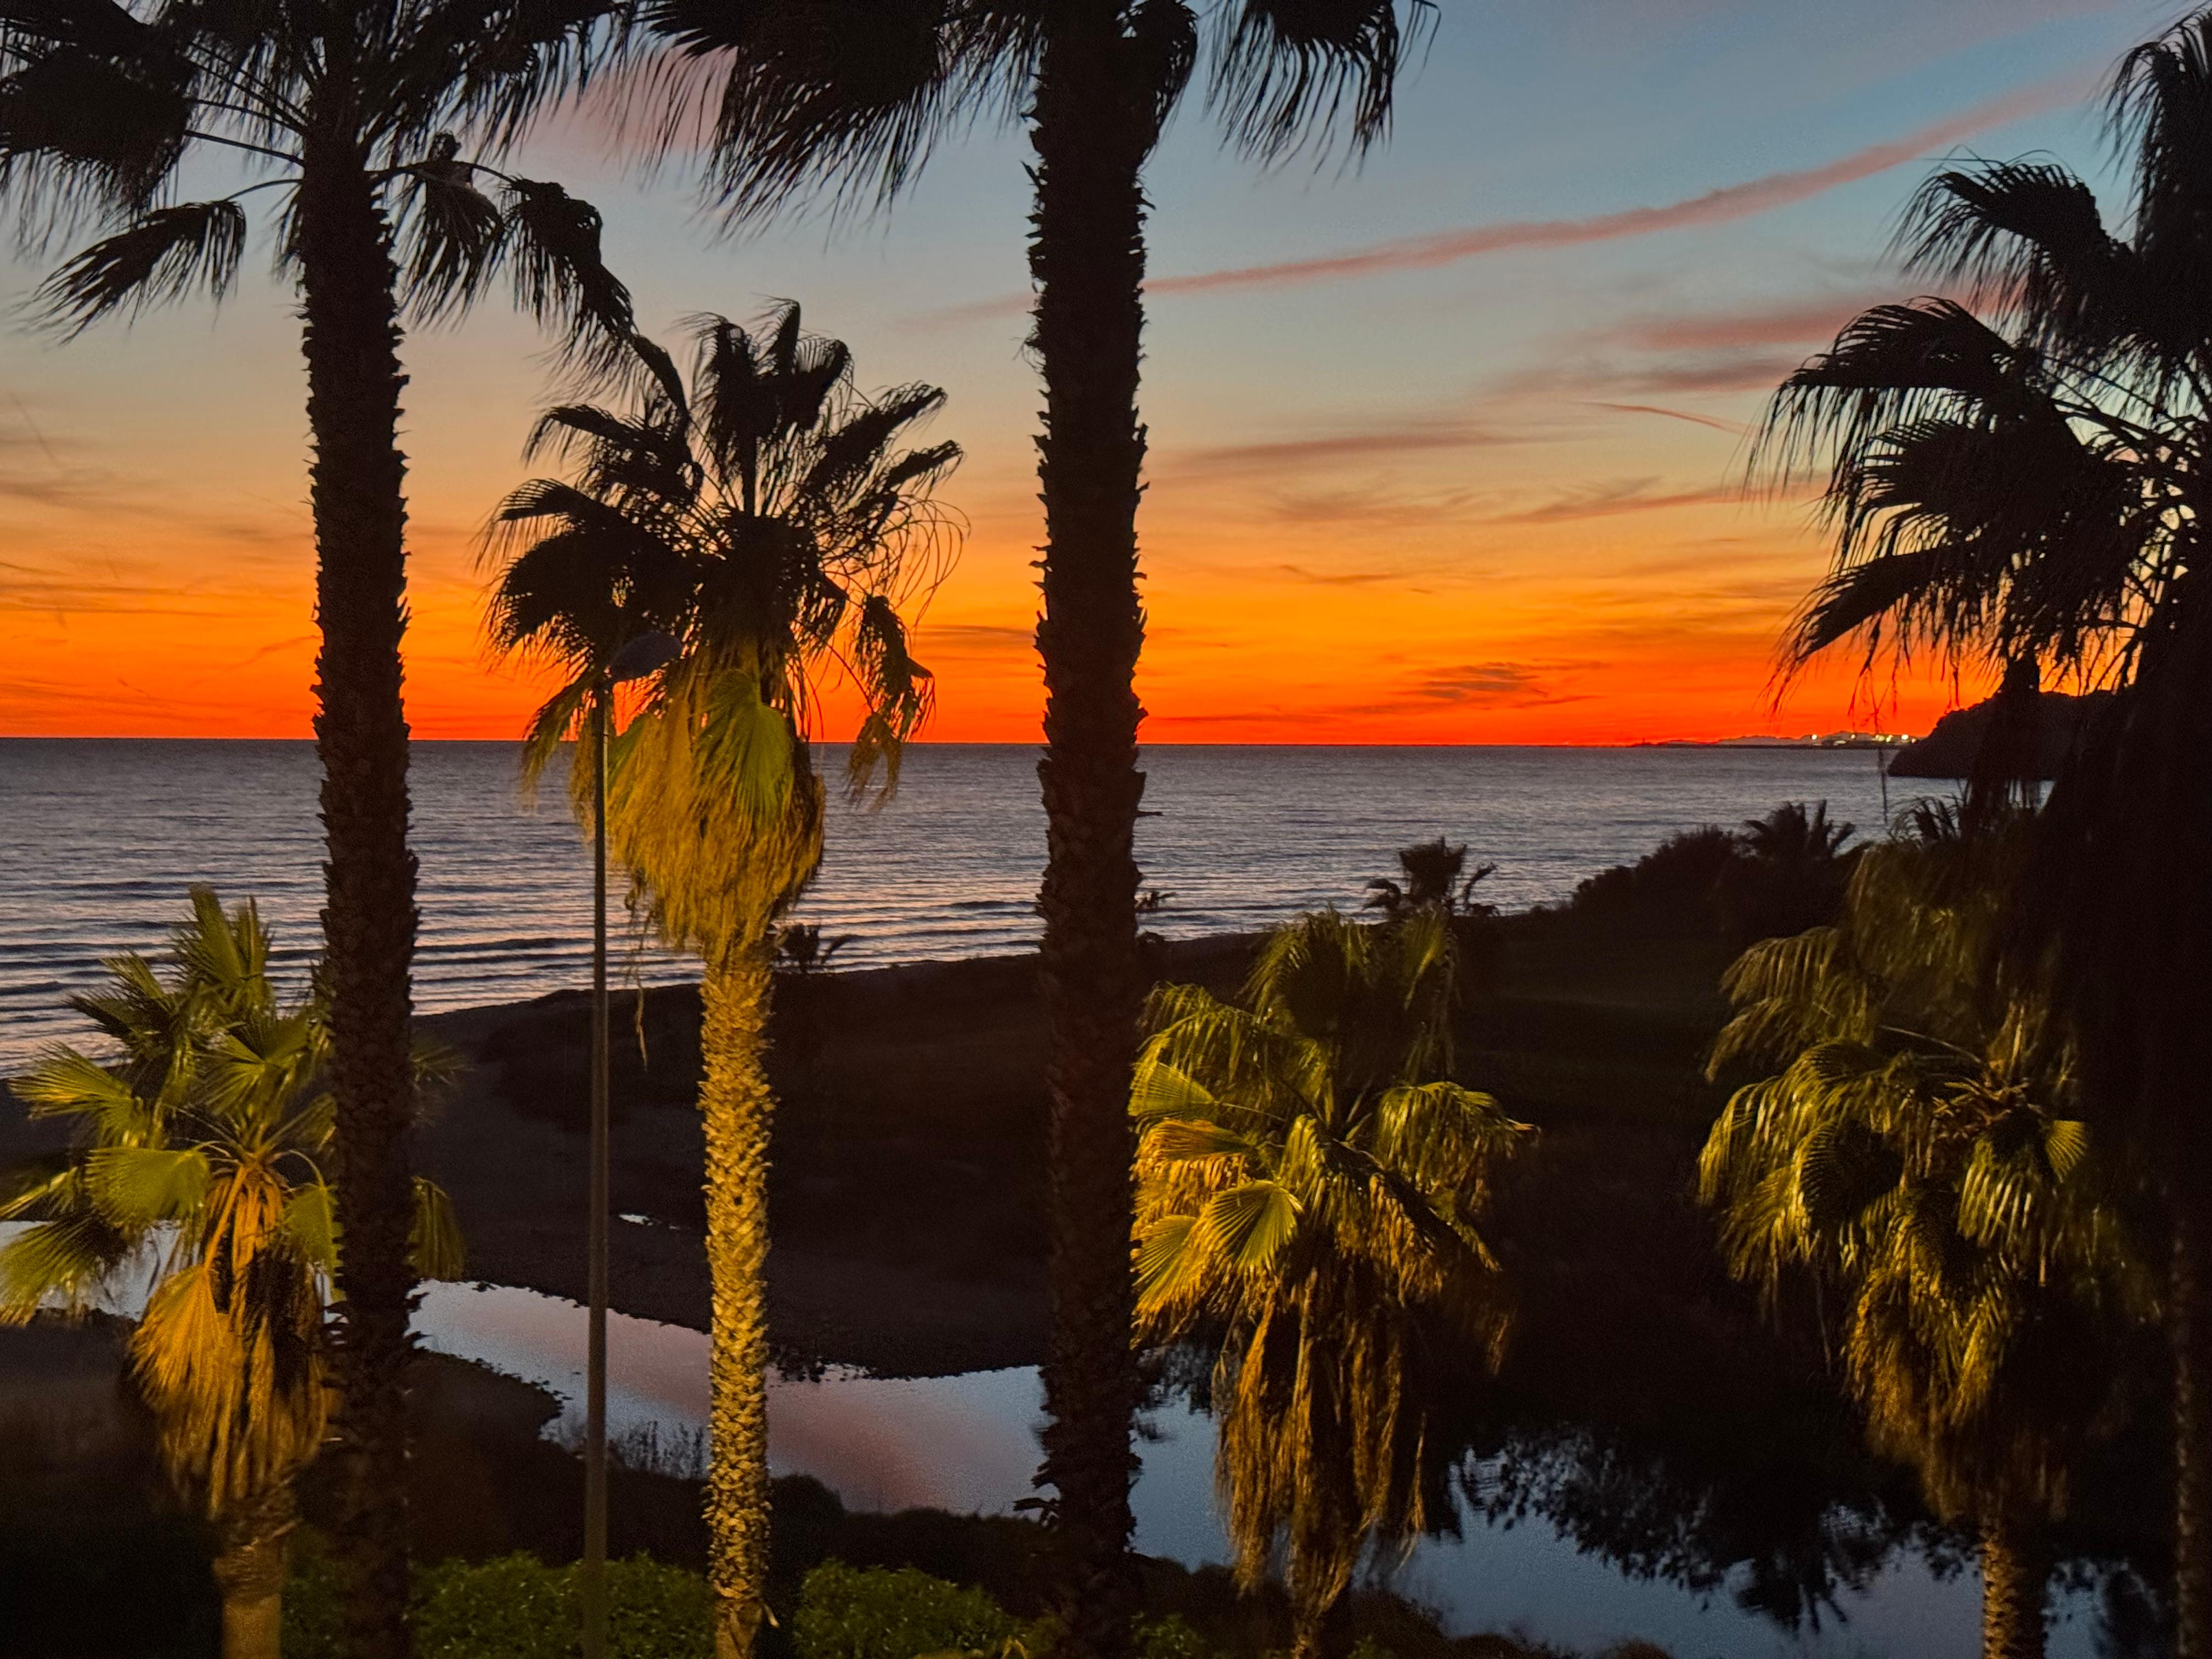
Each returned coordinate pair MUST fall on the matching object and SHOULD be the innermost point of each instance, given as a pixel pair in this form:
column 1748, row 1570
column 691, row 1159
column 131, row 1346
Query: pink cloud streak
column 1720, row 206
column 1729, row 202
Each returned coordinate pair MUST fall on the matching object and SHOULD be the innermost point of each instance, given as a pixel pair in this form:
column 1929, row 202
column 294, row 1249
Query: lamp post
column 645, row 654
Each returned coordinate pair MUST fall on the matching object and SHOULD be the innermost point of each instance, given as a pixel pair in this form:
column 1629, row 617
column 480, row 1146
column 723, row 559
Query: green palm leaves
column 1918, row 1150
column 1311, row 1193
column 200, row 1159
column 766, row 517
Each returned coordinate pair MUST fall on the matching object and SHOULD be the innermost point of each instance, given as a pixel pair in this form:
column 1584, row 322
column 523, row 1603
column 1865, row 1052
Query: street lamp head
column 648, row 653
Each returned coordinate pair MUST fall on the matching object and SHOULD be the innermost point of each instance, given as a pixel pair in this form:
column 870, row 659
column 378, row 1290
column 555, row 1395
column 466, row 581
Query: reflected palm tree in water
column 198, row 1175
column 1920, row 1155
column 1311, row 1190
column 765, row 517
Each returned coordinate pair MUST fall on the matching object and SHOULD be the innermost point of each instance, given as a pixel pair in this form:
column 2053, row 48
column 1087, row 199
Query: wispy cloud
column 1713, row 421
column 1713, row 207
column 1373, row 443
column 1372, row 504
column 1609, row 500
column 1344, row 578
column 1495, row 685
column 1809, row 322
column 1730, row 201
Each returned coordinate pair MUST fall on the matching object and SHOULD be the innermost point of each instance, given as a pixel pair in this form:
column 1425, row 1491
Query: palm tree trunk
column 250, row 1564
column 1092, row 128
column 351, row 343
column 1320, row 1625
column 737, row 1109
column 2015, row 1572
column 2189, row 1326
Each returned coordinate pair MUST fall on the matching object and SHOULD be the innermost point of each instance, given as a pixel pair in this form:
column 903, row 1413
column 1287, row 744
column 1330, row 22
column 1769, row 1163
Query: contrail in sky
column 1715, row 207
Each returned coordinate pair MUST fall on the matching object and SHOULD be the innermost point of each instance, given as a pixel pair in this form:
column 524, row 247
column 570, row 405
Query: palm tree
column 355, row 115
column 1919, row 1152
column 2017, row 480
column 1436, row 878
column 201, row 1154
column 1787, row 874
column 849, row 96
column 1311, row 1189
column 764, row 517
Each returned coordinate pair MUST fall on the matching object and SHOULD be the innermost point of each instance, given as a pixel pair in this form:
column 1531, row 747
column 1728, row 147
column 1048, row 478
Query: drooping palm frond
column 765, row 517
column 1292, row 74
column 846, row 96
column 167, row 254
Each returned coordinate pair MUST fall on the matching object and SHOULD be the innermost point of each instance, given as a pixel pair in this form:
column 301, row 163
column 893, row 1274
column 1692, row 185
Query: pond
column 968, row 1443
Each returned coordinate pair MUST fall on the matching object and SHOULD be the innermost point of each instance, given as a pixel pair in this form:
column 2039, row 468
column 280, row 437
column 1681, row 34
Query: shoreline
column 909, row 1105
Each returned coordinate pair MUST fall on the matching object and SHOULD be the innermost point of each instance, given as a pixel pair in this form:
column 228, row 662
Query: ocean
column 103, row 836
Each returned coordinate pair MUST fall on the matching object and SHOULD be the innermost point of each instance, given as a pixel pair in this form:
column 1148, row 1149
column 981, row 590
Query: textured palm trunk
column 2015, row 1573
column 250, row 1563
column 351, row 342
column 736, row 1109
column 1320, row 1627
column 1091, row 129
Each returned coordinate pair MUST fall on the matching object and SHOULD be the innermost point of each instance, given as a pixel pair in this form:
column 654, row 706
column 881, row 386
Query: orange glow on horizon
column 1551, row 636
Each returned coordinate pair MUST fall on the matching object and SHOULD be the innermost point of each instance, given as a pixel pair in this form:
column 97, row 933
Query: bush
column 885, row 1613
column 1675, row 879
column 514, row 1607
column 1171, row 1637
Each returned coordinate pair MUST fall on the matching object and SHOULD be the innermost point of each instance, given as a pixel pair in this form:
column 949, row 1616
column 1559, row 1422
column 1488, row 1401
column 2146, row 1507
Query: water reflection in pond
column 967, row 1443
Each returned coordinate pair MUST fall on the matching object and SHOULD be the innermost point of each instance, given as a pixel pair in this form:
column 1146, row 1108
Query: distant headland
column 1809, row 740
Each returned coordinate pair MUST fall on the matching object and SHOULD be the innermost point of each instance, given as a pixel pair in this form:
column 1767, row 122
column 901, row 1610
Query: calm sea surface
column 101, row 838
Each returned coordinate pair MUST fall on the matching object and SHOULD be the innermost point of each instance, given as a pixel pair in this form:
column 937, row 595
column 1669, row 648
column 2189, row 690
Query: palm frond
column 1292, row 74
column 167, row 254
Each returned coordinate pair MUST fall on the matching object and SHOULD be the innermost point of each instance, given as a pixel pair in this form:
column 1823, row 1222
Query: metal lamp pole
column 644, row 655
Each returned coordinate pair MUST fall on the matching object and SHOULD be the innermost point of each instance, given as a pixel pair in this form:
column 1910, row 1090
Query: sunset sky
column 1447, row 449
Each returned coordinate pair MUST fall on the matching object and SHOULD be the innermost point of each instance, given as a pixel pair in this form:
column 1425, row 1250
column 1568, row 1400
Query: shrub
column 885, row 1613
column 1171, row 1637
column 314, row 1628
column 514, row 1607
column 1676, row 878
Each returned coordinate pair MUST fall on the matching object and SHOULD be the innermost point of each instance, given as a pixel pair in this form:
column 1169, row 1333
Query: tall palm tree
column 355, row 115
column 1310, row 1189
column 1918, row 1151
column 765, row 517
column 2016, row 478
column 202, row 1152
column 849, row 96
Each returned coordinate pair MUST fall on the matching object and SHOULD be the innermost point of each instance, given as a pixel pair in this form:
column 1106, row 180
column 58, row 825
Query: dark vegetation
column 1645, row 1409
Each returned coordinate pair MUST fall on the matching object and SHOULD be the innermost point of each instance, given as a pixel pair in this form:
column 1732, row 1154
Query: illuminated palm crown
column 1920, row 1149
column 766, row 519
column 199, row 1160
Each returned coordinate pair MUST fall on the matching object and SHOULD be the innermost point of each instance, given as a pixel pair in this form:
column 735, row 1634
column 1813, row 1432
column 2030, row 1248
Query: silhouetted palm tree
column 765, row 517
column 355, row 113
column 1311, row 1185
column 1787, row 874
column 1436, row 878
column 2024, row 487
column 849, row 95
column 202, row 1152
column 1918, row 1151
